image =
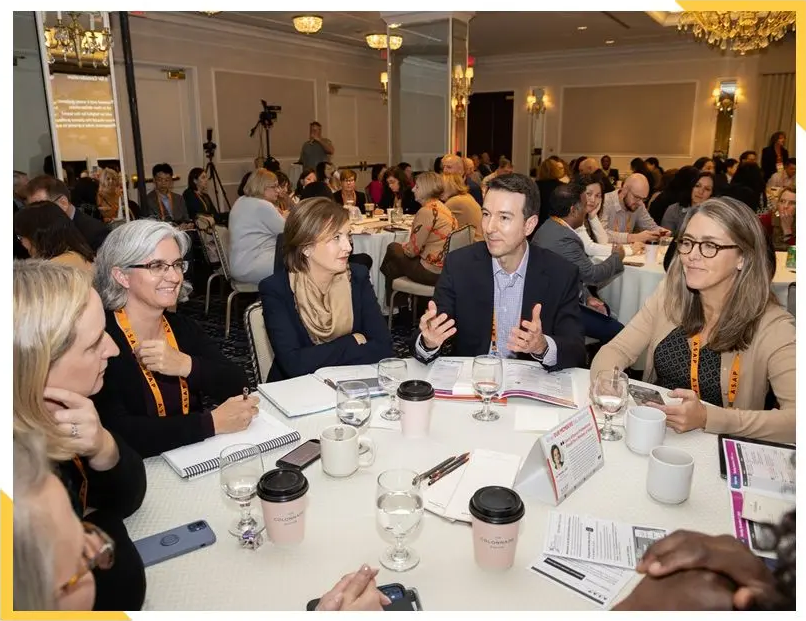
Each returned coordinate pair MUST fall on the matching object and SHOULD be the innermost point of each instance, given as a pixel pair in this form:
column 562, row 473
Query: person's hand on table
column 529, row 338
column 619, row 250
column 695, row 589
column 355, row 591
column 684, row 550
column 235, row 414
column 434, row 329
column 644, row 236
column 638, row 247
column 685, row 416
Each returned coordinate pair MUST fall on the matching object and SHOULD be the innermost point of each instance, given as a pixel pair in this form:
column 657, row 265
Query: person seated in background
column 504, row 168
column 653, row 166
column 605, row 166
column 195, row 196
column 749, row 175
column 348, row 194
column 695, row 187
column 46, row 188
column 548, row 178
column 254, row 224
column 47, row 233
column 714, row 331
column 162, row 203
column 316, row 189
column 285, row 194
column 705, row 164
column 153, row 391
column 397, row 193
column 623, row 212
column 558, row 234
column 783, row 220
column 471, row 170
column 774, row 155
column 463, row 206
column 666, row 194
column 321, row 310
column 374, row 188
column 422, row 257
column 259, row 162
column 84, row 195
column 485, row 165
column 748, row 157
column 307, row 177
column 784, row 177
column 405, row 167
column 505, row 295
column 730, row 168
column 328, row 173
column 592, row 232
column 60, row 353
column 455, row 165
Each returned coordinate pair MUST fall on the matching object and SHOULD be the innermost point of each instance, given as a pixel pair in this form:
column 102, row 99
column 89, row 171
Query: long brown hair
column 751, row 292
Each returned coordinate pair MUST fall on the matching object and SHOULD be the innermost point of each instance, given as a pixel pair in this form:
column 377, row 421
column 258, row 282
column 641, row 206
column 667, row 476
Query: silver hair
column 34, row 587
column 130, row 244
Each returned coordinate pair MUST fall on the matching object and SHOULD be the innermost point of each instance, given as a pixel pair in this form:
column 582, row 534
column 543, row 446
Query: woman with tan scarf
column 320, row 310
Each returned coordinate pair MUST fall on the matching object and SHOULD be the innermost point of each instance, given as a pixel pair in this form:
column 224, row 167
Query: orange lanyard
column 123, row 322
column 733, row 382
column 170, row 205
column 494, row 335
column 203, row 202
column 82, row 492
column 560, row 221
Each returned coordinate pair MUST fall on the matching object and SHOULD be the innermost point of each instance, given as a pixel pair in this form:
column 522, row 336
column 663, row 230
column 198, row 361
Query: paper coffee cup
column 282, row 496
column 496, row 513
column 645, row 427
column 651, row 254
column 415, row 399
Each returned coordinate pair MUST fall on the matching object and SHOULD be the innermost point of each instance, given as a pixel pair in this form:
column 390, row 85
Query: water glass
column 240, row 469
column 488, row 377
column 353, row 404
column 399, row 503
column 369, row 209
column 609, row 392
column 391, row 373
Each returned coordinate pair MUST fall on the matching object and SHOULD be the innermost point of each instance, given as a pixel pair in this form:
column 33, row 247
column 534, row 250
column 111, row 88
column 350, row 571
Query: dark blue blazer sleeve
column 445, row 300
column 568, row 331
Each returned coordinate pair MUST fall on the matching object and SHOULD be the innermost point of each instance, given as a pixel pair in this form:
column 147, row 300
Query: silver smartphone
column 645, row 396
column 175, row 542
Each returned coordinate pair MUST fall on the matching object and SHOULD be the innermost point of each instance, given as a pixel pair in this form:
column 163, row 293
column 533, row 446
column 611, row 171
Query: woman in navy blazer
column 321, row 310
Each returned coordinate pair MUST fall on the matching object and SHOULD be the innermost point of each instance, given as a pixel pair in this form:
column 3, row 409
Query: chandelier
column 378, row 41
column 308, row 24
column 742, row 31
column 461, row 89
column 72, row 40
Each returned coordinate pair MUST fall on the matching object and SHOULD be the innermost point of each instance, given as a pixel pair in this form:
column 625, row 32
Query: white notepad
column 194, row 460
column 299, row 396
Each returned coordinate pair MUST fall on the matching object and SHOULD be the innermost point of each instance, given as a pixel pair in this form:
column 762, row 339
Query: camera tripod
column 212, row 174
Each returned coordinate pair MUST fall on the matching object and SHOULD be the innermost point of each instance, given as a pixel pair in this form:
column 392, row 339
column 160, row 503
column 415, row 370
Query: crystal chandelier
column 742, row 31
column 461, row 89
column 378, row 41
column 308, row 24
column 72, row 40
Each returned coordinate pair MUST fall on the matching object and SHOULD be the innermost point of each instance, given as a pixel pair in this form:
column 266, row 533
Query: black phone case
column 284, row 464
column 408, row 603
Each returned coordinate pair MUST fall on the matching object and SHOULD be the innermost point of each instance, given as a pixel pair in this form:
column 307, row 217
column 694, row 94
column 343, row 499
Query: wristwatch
column 539, row 357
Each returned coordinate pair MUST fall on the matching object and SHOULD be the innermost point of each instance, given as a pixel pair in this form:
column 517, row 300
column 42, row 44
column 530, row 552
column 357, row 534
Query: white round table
column 371, row 239
column 627, row 293
column 341, row 531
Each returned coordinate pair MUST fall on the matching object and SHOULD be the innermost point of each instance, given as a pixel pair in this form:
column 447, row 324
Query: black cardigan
column 126, row 405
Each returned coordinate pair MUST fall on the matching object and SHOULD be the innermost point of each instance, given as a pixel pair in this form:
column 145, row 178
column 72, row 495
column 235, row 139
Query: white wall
column 684, row 62
column 423, row 112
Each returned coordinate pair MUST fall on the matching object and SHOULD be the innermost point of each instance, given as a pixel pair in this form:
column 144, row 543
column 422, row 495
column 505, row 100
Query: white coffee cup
column 669, row 474
column 341, row 446
column 651, row 254
column 645, row 427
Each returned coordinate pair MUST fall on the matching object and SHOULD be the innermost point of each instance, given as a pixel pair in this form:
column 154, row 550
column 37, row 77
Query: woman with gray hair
column 153, row 391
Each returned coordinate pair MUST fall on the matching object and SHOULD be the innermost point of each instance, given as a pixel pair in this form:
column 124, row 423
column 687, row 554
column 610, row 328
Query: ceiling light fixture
column 72, row 40
column 308, row 24
column 742, row 31
column 378, row 41
column 610, row 42
column 210, row 13
column 394, row 25
column 582, row 27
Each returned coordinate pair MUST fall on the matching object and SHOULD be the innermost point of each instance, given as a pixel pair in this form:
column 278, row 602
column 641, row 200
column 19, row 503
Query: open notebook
column 195, row 460
column 299, row 396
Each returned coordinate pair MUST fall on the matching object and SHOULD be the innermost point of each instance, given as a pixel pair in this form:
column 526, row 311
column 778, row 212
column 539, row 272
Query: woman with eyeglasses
column 714, row 332
column 153, row 391
column 61, row 352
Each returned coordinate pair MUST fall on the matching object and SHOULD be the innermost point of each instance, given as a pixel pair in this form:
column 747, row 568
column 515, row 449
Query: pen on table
column 456, row 459
column 428, row 473
column 331, row 383
column 457, row 464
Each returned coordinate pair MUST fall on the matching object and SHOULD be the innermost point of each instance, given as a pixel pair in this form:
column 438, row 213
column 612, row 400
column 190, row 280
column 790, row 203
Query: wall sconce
column 461, row 89
column 726, row 97
column 385, row 87
column 534, row 105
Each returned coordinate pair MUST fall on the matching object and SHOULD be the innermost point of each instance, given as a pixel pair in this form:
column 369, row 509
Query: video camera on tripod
column 209, row 146
column 267, row 117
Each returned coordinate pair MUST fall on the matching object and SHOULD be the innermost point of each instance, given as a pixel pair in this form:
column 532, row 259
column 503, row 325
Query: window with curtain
column 776, row 110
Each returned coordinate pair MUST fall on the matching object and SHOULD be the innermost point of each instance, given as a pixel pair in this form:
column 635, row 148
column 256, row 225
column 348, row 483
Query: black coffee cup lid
column 282, row 485
column 415, row 390
column 496, row 505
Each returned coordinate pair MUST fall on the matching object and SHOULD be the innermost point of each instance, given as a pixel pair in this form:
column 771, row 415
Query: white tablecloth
column 627, row 293
column 341, row 531
column 375, row 244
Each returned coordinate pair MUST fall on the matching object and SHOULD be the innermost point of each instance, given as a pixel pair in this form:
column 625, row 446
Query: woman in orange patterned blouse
column 421, row 258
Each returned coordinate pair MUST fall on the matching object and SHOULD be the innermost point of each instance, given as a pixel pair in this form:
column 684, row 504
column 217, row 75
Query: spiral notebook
column 195, row 460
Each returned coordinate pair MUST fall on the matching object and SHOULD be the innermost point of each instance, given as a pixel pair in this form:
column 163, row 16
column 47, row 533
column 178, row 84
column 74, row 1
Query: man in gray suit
column 164, row 204
column 558, row 234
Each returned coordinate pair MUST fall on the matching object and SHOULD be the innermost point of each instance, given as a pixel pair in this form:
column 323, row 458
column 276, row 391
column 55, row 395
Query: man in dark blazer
column 162, row 203
column 47, row 188
column 503, row 294
column 558, row 234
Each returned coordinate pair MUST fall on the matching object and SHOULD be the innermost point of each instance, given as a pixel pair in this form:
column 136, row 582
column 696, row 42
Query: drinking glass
column 609, row 392
column 400, row 509
column 391, row 373
column 488, row 374
column 369, row 209
column 240, row 469
column 352, row 404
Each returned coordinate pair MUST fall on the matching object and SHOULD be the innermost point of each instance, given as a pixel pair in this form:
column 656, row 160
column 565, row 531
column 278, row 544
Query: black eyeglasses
column 159, row 269
column 707, row 249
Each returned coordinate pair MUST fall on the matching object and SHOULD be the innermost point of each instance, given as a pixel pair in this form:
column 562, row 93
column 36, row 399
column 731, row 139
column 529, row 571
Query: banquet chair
column 204, row 226
column 260, row 350
column 457, row 239
column 221, row 237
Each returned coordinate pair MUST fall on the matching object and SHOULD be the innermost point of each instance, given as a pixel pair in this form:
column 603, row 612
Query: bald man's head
column 452, row 165
column 635, row 191
column 588, row 166
column 469, row 166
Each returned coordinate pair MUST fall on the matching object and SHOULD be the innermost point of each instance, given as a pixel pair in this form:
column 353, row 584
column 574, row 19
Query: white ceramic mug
column 341, row 446
column 669, row 475
column 645, row 427
column 651, row 254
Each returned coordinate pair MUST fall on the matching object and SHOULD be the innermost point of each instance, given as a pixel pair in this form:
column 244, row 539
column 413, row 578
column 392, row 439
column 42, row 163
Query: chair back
column 221, row 238
column 204, row 227
column 790, row 299
column 260, row 350
column 460, row 238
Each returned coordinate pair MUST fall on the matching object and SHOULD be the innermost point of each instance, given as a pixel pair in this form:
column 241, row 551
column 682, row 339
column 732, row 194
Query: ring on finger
column 73, row 430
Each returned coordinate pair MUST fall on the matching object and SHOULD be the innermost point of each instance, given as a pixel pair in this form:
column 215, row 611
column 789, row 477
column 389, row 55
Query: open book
column 452, row 378
column 265, row 432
